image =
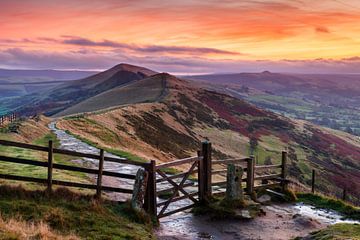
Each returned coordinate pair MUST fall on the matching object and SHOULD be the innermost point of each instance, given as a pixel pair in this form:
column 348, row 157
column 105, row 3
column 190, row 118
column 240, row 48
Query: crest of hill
column 151, row 89
column 73, row 92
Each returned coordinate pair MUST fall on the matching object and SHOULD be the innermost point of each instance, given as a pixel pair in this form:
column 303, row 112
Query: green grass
column 337, row 231
column 39, row 172
column 67, row 212
column 318, row 201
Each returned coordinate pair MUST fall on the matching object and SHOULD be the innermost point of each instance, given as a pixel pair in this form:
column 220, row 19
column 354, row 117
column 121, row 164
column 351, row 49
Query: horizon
column 248, row 36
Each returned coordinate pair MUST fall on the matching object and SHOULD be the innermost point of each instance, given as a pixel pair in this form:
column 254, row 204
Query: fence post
column 344, row 194
column 283, row 170
column 150, row 197
column 201, row 177
column 207, row 168
column 50, row 166
column 250, row 175
column 313, row 181
column 99, row 178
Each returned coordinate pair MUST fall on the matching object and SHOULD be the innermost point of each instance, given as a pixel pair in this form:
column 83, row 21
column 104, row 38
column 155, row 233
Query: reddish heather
column 224, row 112
column 333, row 144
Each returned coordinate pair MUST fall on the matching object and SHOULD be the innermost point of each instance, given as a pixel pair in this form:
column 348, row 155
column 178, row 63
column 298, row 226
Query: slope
column 145, row 90
column 73, row 92
column 175, row 126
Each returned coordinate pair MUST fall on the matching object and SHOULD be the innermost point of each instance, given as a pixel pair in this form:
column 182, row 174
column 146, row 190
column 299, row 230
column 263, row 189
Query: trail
column 282, row 221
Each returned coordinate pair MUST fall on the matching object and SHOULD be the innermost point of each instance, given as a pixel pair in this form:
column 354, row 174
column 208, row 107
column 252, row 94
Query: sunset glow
column 183, row 37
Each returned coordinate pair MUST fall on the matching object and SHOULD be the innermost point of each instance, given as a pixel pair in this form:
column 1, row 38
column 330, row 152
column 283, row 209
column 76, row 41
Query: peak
column 132, row 68
column 266, row 72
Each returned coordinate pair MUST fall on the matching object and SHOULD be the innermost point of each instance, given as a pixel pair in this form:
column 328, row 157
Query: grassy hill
column 175, row 126
column 72, row 92
column 328, row 100
column 146, row 90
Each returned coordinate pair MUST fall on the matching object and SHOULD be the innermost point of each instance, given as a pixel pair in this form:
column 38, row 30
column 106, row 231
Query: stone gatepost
column 234, row 190
column 139, row 189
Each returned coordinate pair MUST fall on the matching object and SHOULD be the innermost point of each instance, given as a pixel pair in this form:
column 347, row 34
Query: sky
column 182, row 37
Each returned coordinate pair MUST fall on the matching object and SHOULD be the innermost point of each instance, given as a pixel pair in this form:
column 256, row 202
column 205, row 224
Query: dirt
column 280, row 222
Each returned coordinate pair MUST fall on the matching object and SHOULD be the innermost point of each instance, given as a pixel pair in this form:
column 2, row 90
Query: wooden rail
column 50, row 165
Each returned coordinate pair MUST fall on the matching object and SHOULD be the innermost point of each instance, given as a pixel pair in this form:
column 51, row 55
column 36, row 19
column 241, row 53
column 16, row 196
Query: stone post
column 140, row 184
column 234, row 190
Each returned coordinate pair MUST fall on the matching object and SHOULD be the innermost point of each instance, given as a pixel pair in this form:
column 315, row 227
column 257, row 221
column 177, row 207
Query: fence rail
column 50, row 165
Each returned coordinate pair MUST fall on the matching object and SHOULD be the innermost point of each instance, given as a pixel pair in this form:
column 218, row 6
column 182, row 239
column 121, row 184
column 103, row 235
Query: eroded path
column 283, row 221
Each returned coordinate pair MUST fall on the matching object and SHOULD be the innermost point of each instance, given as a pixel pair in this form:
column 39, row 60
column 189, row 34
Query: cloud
column 79, row 41
column 90, row 59
column 322, row 30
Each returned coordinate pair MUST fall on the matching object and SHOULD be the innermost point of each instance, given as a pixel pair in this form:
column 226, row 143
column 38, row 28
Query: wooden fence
column 7, row 119
column 202, row 171
column 50, row 165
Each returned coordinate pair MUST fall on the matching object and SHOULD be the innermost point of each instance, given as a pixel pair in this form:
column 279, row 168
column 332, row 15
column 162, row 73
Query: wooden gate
column 174, row 185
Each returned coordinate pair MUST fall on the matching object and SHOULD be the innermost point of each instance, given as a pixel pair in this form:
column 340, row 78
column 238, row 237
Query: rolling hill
column 178, row 115
column 72, row 92
column 329, row 100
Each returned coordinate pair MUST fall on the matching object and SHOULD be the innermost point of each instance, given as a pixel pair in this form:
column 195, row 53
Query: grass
column 39, row 172
column 349, row 211
column 116, row 152
column 337, row 231
column 69, row 213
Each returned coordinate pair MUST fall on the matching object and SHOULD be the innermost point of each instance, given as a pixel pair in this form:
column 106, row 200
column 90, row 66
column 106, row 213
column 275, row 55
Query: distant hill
column 329, row 100
column 44, row 74
column 73, row 92
column 15, row 83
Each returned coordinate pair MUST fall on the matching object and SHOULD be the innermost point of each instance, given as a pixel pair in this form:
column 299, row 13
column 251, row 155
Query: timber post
column 250, row 175
column 50, row 166
column 201, row 177
column 207, row 169
column 283, row 170
column 313, row 181
column 150, row 204
column 100, row 174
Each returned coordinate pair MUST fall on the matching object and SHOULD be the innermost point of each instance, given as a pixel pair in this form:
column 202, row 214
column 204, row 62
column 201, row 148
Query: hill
column 328, row 100
column 174, row 127
column 72, row 92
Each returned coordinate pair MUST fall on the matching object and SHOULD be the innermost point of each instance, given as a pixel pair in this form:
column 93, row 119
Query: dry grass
column 18, row 229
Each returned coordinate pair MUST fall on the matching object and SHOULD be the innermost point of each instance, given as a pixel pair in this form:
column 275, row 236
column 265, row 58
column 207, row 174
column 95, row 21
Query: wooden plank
column 24, row 179
column 227, row 161
column 23, row 145
column 23, row 161
column 180, row 175
column 177, row 199
column 177, row 162
column 267, row 177
column 172, row 188
column 91, row 186
column 261, row 167
column 126, row 161
column 100, row 172
column 50, row 166
column 267, row 185
column 176, row 211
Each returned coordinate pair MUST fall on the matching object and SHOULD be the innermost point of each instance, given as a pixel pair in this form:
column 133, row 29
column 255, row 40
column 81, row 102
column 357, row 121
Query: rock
column 264, row 199
column 139, row 189
column 296, row 216
column 234, row 190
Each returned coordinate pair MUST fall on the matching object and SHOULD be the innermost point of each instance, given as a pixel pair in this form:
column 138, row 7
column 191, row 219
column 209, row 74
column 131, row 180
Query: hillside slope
column 72, row 92
column 175, row 126
column 144, row 90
